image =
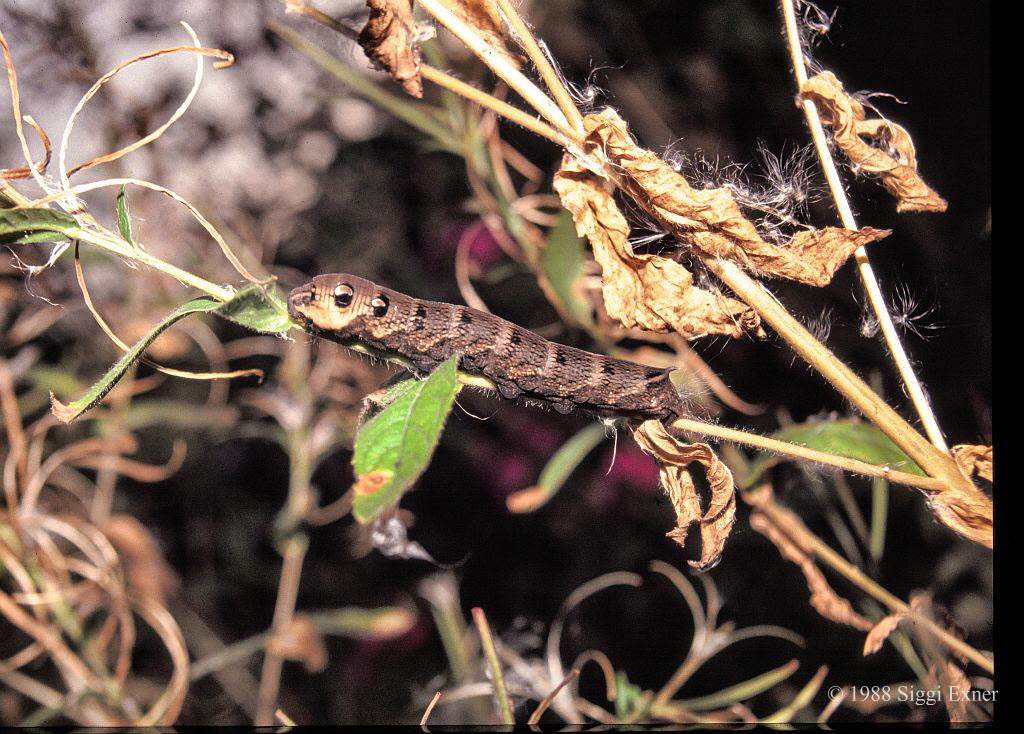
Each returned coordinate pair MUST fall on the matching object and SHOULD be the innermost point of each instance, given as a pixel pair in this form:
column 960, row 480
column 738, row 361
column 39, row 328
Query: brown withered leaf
column 148, row 575
column 389, row 40
column 648, row 291
column 484, row 16
column 710, row 220
column 674, row 465
column 974, row 460
column 874, row 146
column 967, row 512
column 878, row 634
column 787, row 532
column 301, row 642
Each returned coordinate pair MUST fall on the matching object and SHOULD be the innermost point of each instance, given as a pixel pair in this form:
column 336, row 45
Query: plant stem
column 867, row 275
column 499, row 64
column 544, row 68
column 863, row 581
column 483, row 99
column 287, row 592
column 929, row 484
column 121, row 249
column 497, row 677
column 935, row 462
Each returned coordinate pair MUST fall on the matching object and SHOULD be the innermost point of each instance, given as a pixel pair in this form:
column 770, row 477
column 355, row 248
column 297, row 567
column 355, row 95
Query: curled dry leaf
column 967, row 512
column 710, row 220
column 390, row 41
column 302, row 642
column 674, row 464
column 874, row 146
column 974, row 460
column 649, row 291
column 878, row 634
column 789, row 534
column 149, row 576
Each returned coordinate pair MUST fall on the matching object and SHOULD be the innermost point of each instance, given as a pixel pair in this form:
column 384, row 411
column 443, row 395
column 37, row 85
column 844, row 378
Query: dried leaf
column 148, row 575
column 674, row 459
column 483, row 15
column 974, row 460
column 788, row 533
column 710, row 220
column 874, row 146
column 390, row 41
column 955, row 684
column 649, row 291
column 969, row 513
column 301, row 642
column 878, row 634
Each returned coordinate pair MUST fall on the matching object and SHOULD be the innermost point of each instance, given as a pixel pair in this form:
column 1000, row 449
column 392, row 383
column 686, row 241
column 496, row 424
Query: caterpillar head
column 334, row 301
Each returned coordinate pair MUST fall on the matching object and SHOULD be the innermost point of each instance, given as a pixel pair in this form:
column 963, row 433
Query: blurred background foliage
column 304, row 176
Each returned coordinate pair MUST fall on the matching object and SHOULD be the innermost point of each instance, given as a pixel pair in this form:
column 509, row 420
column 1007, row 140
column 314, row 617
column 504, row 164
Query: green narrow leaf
column 563, row 261
column 394, row 447
column 124, row 221
column 256, row 307
column 260, row 308
column 382, row 623
column 879, row 516
column 741, row 691
column 555, row 473
column 105, row 384
column 850, row 438
column 27, row 226
column 16, row 221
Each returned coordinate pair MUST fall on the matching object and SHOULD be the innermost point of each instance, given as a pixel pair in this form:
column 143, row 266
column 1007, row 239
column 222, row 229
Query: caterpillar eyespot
column 520, row 363
column 343, row 295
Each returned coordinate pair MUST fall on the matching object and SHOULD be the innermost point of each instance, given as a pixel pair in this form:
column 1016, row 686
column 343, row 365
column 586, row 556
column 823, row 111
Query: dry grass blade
column 546, row 702
column 875, row 146
column 225, row 59
column 788, row 533
column 12, row 80
column 675, row 460
column 11, row 174
column 878, row 634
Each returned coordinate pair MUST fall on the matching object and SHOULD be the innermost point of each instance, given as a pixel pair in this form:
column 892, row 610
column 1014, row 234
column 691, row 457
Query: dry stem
column 867, row 275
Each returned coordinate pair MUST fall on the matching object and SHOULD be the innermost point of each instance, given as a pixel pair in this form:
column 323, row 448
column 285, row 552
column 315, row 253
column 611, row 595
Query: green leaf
column 260, row 308
column 16, row 221
column 850, row 438
column 555, row 473
column 256, row 307
column 629, row 697
column 25, row 226
column 105, row 384
column 562, row 261
column 394, row 447
column 382, row 623
column 741, row 691
column 124, row 221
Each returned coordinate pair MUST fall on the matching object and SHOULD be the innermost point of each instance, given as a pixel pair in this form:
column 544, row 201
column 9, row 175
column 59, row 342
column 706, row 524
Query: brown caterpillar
column 345, row 308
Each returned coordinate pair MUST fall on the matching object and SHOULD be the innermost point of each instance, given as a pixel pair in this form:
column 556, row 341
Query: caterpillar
column 521, row 364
